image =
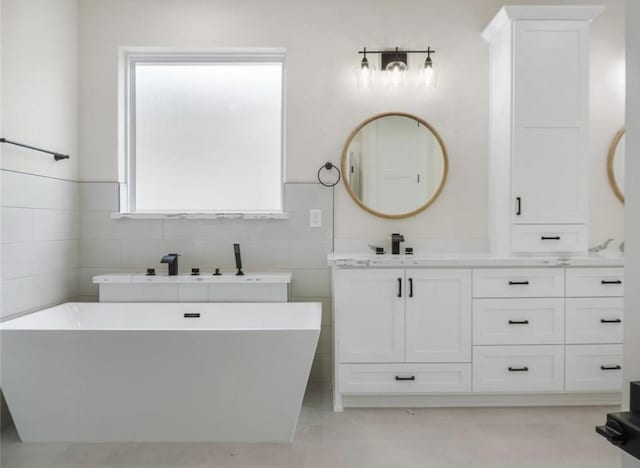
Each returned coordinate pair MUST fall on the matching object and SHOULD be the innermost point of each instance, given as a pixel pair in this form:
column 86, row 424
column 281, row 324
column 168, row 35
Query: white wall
column 323, row 103
column 632, row 198
column 38, row 198
column 39, row 77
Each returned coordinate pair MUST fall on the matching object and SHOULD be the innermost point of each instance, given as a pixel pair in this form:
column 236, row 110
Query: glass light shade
column 395, row 74
column 427, row 77
column 365, row 75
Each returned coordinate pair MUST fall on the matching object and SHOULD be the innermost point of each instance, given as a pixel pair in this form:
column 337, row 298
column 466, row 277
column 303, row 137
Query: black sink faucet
column 172, row 260
column 395, row 243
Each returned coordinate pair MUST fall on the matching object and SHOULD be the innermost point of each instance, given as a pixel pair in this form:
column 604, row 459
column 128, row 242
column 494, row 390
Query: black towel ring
column 328, row 166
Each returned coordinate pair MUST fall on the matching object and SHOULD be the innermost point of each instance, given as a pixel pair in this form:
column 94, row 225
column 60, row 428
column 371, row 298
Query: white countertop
column 252, row 278
column 346, row 260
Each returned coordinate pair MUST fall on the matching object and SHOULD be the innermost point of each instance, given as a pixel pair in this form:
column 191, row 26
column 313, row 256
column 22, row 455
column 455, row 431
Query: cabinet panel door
column 550, row 122
column 438, row 314
column 370, row 315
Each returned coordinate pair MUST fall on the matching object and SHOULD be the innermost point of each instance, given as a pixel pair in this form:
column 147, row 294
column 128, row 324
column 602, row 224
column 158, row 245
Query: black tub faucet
column 236, row 251
column 395, row 243
column 172, row 260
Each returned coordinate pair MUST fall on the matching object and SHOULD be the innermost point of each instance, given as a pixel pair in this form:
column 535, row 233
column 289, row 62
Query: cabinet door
column 370, row 315
column 551, row 71
column 438, row 314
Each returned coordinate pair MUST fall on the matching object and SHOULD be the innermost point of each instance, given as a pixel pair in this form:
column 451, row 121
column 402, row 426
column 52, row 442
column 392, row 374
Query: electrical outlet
column 315, row 218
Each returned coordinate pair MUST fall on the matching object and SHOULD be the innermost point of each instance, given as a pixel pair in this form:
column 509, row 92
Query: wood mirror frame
column 421, row 208
column 610, row 165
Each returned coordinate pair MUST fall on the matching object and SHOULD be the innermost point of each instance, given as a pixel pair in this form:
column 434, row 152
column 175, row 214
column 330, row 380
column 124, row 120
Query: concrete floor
column 371, row 438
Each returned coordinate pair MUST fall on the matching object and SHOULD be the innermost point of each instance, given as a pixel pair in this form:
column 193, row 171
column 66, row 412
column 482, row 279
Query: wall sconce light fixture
column 395, row 68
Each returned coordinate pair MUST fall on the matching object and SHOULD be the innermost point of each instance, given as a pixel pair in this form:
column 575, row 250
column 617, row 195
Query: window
column 203, row 133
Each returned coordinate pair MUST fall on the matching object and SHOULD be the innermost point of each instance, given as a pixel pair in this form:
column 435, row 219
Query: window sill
column 256, row 215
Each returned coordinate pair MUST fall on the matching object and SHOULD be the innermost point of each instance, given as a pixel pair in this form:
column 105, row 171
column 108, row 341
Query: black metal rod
column 399, row 287
column 56, row 156
column 611, row 282
column 610, row 321
column 396, row 50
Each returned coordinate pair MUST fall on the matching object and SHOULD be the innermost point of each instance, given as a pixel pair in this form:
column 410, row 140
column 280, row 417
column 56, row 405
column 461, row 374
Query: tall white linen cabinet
column 539, row 135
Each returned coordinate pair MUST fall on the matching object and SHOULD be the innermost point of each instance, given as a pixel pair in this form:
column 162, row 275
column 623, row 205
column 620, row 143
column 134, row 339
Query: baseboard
column 481, row 400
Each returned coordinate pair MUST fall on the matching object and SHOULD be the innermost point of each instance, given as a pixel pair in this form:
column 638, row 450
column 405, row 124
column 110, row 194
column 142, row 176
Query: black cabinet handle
column 610, row 321
column 519, row 369
column 611, row 282
column 610, row 367
column 191, row 315
column 413, row 377
column 550, row 238
column 518, row 322
column 519, row 206
column 410, row 287
column 518, row 283
column 399, row 287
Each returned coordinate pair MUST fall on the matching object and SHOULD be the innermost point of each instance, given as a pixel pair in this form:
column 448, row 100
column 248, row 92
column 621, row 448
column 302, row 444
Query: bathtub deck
column 371, row 438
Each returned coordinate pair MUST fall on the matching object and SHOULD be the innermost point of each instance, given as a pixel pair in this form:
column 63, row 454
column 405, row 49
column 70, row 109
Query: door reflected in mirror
column 395, row 165
column 615, row 164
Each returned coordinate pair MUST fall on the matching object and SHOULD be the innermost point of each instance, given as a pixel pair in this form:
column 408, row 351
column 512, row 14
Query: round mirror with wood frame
column 394, row 165
column 615, row 165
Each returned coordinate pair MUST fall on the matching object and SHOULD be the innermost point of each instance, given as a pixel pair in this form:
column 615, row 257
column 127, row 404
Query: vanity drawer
column 518, row 321
column 518, row 368
column 536, row 238
column 404, row 378
column 518, row 282
column 595, row 282
column 594, row 368
column 594, row 320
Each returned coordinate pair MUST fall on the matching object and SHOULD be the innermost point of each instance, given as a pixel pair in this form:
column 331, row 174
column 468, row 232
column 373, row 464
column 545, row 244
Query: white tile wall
column 39, row 235
column 129, row 245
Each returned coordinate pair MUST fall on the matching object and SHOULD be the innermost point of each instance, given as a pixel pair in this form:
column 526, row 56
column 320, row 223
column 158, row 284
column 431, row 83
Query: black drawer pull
column 610, row 367
column 550, row 238
column 611, row 282
column 518, row 322
column 518, row 283
column 519, row 206
column 410, row 287
column 192, row 315
column 401, row 379
column 610, row 321
column 519, row 369
column 399, row 287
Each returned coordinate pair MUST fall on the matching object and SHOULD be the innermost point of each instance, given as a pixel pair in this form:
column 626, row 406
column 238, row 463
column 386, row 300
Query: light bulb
column 395, row 72
column 365, row 72
column 427, row 74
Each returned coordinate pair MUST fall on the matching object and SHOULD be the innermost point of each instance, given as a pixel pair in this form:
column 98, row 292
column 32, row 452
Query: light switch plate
column 315, row 218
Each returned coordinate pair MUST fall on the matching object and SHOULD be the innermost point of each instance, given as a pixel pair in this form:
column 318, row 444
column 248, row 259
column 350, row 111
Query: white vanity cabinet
column 403, row 315
column 403, row 330
column 594, row 320
column 477, row 331
column 539, row 111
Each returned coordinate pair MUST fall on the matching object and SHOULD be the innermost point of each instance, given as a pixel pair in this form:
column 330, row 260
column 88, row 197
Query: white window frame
column 129, row 57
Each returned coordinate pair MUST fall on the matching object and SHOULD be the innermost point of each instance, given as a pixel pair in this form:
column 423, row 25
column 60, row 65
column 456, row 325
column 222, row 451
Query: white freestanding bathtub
column 159, row 372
